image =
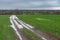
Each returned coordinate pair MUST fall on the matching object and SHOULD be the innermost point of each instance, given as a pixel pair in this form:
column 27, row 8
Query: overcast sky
column 29, row 4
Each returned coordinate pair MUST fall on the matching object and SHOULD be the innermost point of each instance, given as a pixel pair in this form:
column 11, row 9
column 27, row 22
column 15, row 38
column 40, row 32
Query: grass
column 51, row 25
column 6, row 32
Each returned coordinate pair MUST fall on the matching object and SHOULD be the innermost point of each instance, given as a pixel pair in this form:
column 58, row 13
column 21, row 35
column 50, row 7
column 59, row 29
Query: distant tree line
column 17, row 12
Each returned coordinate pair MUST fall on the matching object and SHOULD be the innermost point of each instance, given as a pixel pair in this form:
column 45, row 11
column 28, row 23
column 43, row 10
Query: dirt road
column 39, row 33
column 18, row 31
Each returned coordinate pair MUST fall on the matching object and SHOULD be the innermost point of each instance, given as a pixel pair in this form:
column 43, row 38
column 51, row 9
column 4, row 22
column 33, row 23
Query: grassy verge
column 51, row 25
column 31, row 35
column 6, row 32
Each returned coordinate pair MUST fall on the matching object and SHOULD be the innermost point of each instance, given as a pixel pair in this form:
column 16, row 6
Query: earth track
column 23, row 36
column 39, row 33
column 42, row 35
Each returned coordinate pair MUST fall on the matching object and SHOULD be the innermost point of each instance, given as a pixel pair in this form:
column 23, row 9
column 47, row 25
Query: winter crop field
column 6, row 32
column 47, row 23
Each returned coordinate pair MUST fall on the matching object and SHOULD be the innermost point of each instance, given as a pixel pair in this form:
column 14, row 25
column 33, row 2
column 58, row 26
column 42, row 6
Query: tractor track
column 23, row 36
column 39, row 33
column 42, row 35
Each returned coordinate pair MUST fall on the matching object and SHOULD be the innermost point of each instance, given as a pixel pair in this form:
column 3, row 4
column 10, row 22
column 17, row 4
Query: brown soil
column 24, row 37
column 39, row 33
column 48, row 36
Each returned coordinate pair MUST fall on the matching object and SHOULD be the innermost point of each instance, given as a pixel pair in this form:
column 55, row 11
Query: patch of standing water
column 42, row 19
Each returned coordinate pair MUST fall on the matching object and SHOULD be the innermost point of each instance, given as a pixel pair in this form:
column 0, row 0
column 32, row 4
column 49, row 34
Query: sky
column 29, row 4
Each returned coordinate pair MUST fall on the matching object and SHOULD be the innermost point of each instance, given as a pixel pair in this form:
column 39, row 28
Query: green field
column 46, row 23
column 6, row 32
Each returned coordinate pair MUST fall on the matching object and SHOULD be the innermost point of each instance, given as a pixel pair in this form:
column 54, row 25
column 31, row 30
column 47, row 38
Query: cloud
column 36, row 3
column 28, row 4
column 53, row 3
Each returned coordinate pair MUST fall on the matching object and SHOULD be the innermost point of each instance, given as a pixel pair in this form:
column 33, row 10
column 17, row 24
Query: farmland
column 46, row 23
column 6, row 32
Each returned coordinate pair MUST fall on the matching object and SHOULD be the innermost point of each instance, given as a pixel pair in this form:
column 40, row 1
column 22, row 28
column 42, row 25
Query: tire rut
column 41, row 34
